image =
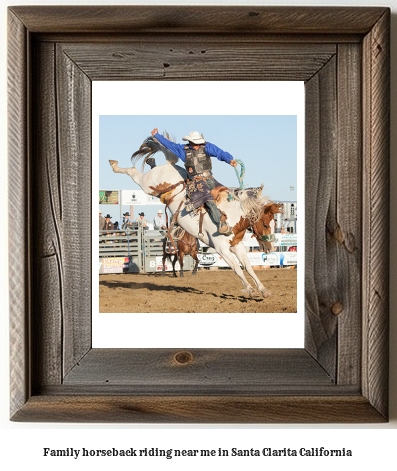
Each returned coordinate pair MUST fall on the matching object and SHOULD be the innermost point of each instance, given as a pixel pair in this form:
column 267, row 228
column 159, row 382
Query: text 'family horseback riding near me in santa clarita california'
column 204, row 453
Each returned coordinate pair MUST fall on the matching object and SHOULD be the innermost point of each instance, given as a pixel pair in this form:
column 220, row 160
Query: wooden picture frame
column 342, row 54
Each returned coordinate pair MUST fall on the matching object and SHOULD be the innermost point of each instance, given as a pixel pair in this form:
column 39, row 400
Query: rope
column 242, row 173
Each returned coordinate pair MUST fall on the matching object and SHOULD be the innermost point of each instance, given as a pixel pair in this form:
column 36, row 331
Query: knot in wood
column 183, row 358
column 338, row 235
column 337, row 308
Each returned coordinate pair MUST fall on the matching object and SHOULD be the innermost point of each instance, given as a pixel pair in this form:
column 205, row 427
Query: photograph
column 200, row 209
column 198, row 213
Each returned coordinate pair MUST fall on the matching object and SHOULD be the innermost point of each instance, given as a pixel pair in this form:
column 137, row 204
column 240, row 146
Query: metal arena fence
column 134, row 250
column 140, row 251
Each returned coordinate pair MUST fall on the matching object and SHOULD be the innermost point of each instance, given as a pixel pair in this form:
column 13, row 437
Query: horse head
column 264, row 227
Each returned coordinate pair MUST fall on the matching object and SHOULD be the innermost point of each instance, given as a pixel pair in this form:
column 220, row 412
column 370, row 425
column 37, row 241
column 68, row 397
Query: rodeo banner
column 255, row 258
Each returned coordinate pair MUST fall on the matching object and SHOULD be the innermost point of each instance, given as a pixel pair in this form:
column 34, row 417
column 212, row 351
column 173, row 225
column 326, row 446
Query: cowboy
column 142, row 220
column 108, row 225
column 197, row 158
column 159, row 222
column 127, row 223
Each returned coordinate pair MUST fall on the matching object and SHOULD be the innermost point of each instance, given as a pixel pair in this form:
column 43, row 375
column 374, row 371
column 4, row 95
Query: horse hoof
column 252, row 293
column 267, row 294
column 194, row 273
column 113, row 162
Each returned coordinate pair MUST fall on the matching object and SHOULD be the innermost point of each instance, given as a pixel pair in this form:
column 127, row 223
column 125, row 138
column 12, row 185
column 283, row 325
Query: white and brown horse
column 168, row 183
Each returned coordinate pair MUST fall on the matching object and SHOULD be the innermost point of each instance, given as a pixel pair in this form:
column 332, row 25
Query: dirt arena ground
column 208, row 291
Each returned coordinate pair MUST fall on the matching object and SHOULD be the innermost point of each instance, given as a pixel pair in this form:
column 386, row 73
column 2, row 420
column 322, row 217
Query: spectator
column 159, row 221
column 142, row 220
column 127, row 223
column 108, row 225
column 101, row 221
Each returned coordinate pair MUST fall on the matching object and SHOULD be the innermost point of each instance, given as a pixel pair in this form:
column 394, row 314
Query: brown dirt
column 208, row 291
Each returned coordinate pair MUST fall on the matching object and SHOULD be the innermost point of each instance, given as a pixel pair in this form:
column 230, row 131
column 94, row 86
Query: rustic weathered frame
column 343, row 56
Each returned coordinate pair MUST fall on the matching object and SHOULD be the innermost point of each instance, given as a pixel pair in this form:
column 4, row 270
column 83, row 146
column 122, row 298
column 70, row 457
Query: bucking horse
column 243, row 210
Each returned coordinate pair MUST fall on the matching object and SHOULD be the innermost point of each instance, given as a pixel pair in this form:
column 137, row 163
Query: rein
column 242, row 173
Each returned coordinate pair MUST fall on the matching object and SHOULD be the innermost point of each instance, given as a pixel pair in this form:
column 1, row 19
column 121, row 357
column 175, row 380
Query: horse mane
column 273, row 208
column 151, row 146
column 252, row 206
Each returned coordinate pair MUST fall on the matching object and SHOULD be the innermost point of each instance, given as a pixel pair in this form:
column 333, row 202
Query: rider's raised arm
column 177, row 149
column 220, row 154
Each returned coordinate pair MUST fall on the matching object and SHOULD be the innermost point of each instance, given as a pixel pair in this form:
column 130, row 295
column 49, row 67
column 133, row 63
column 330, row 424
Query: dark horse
column 186, row 245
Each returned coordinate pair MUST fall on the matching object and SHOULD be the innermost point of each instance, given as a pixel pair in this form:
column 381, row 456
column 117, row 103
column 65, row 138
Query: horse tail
column 151, row 146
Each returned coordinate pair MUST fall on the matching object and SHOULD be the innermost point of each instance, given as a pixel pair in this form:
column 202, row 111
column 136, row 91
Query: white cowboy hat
column 194, row 137
column 159, row 211
column 100, row 212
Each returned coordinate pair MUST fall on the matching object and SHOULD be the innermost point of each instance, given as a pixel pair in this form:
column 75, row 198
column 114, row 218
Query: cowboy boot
column 224, row 227
column 218, row 217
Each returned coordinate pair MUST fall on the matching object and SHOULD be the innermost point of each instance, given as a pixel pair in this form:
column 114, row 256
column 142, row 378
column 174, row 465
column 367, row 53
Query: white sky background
column 261, row 124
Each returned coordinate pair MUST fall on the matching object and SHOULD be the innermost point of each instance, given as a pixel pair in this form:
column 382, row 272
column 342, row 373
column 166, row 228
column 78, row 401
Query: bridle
column 264, row 238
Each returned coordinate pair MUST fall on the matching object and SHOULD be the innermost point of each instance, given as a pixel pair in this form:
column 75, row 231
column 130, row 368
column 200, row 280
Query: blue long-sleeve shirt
column 179, row 149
